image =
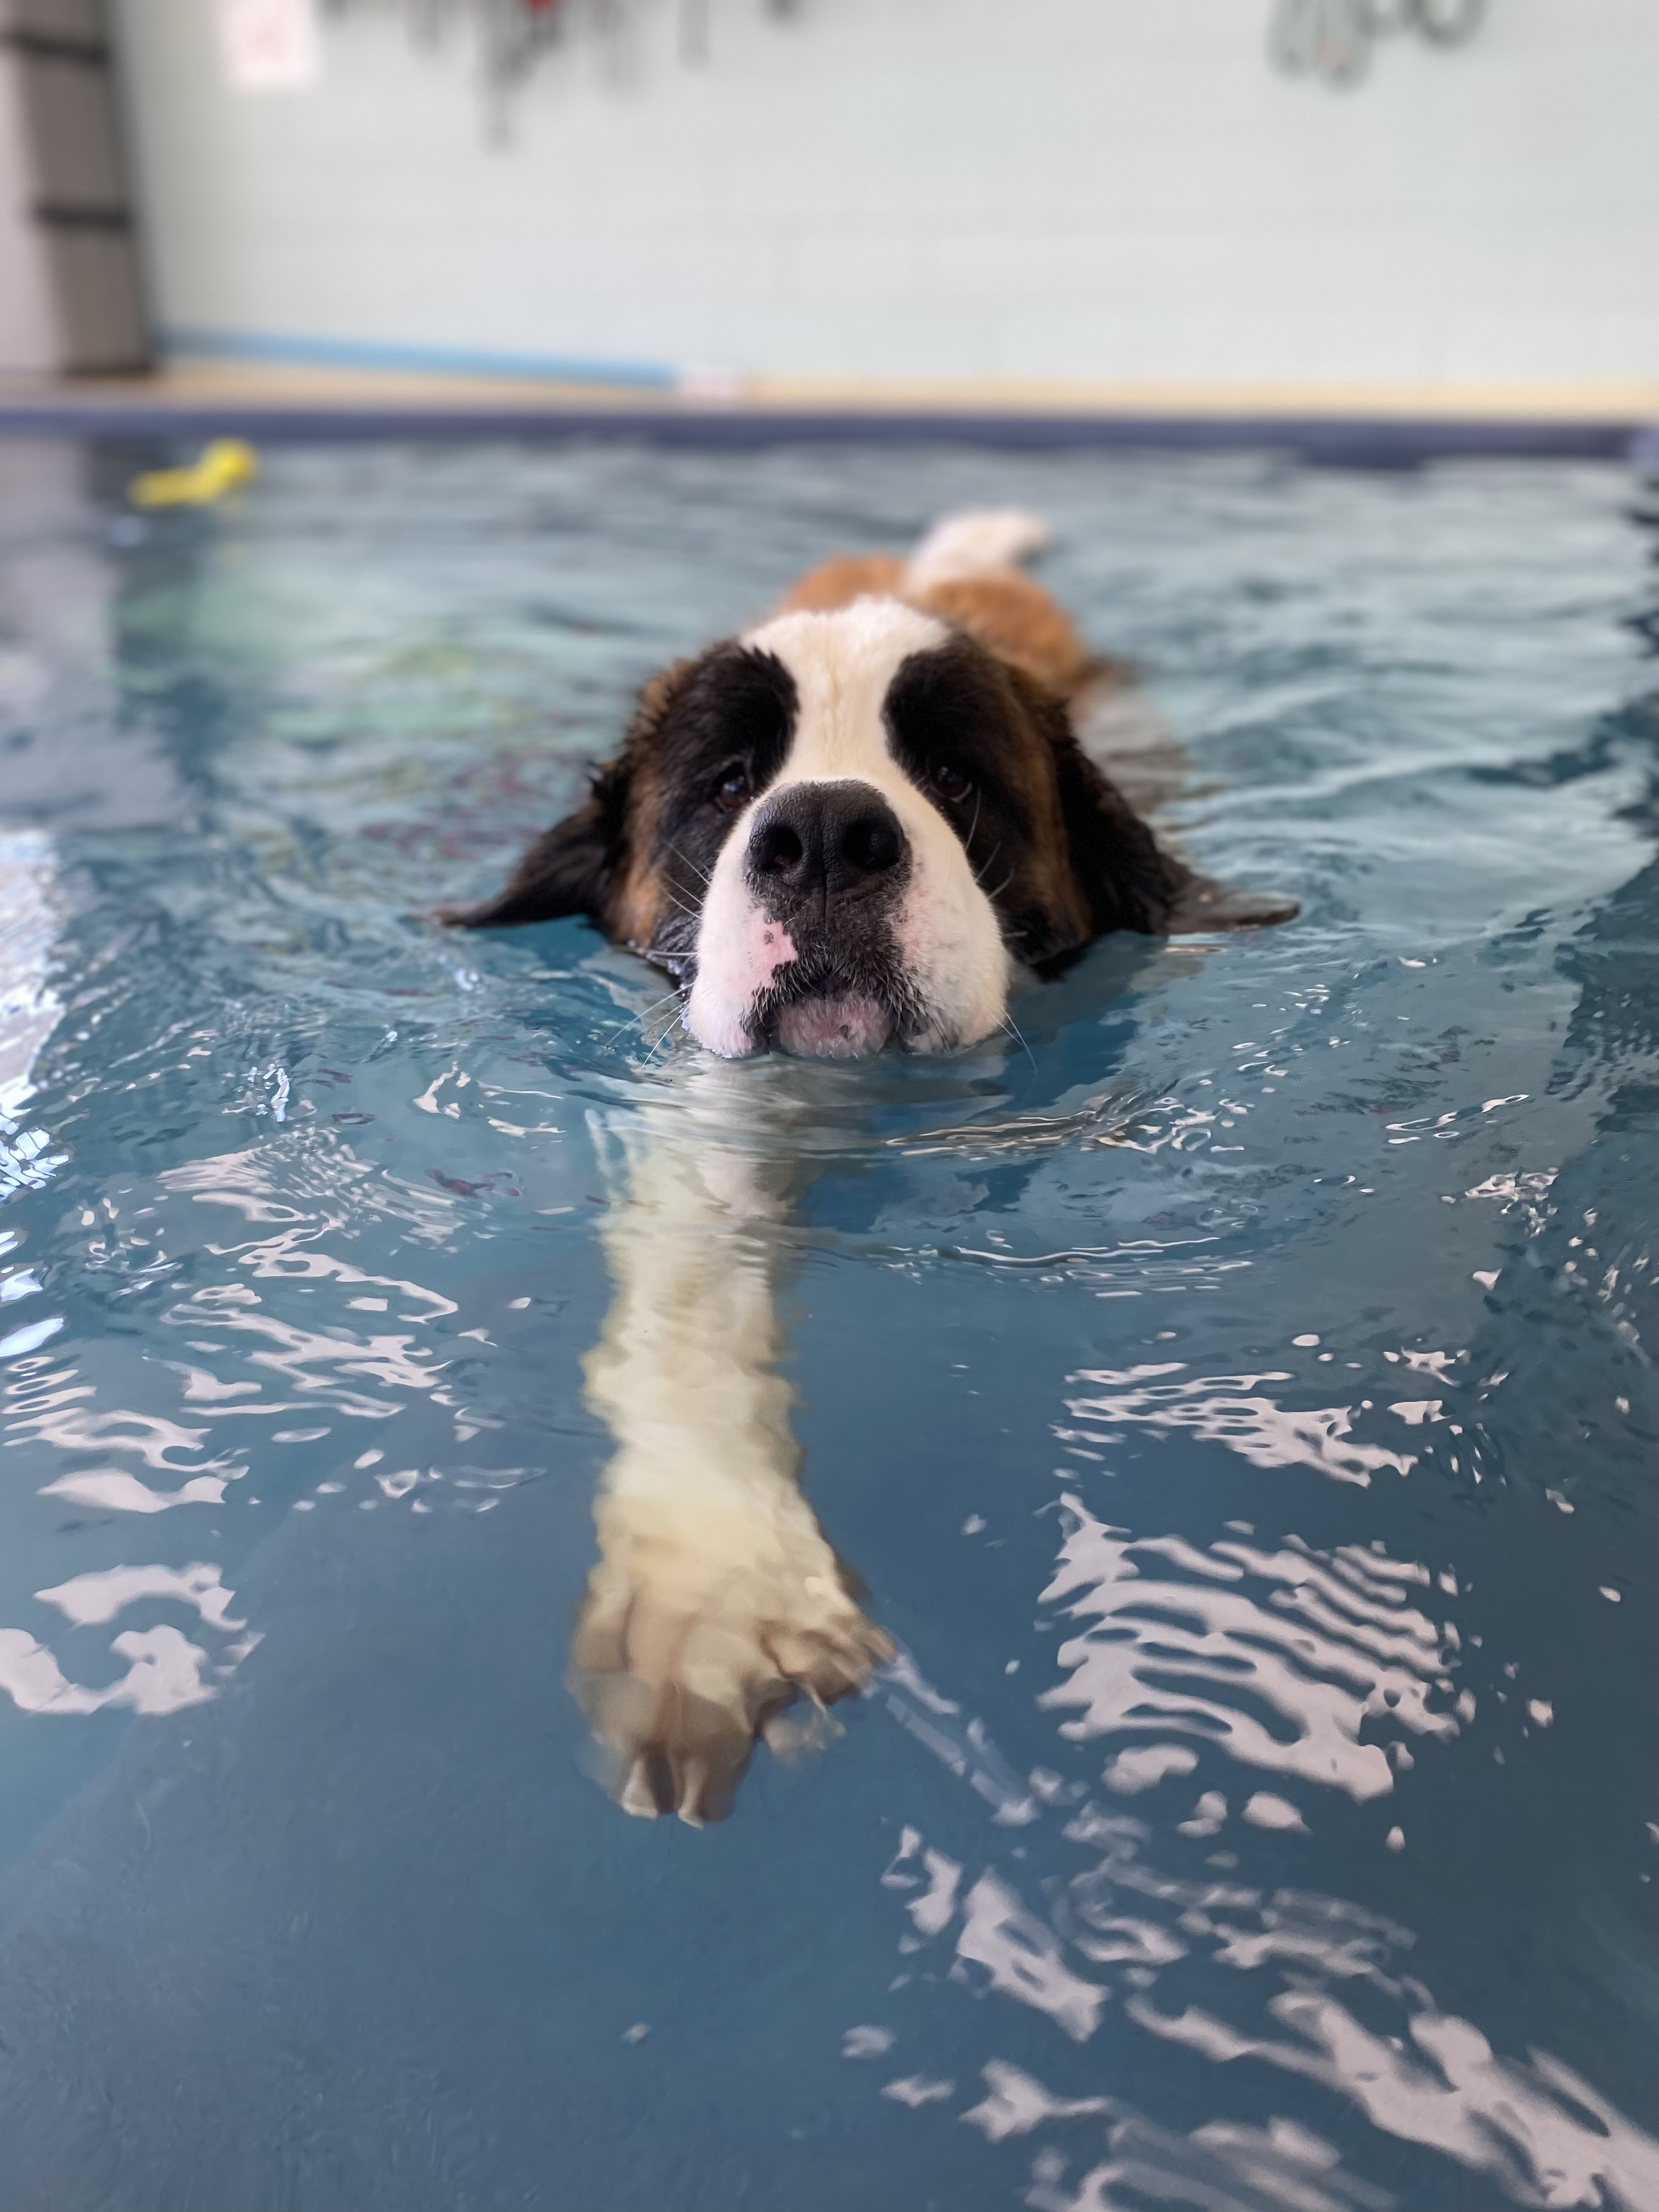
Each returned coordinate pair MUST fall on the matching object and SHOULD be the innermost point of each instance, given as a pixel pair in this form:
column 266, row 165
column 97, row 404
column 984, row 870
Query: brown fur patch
column 835, row 584
column 633, row 909
column 635, row 903
column 1008, row 614
column 1018, row 621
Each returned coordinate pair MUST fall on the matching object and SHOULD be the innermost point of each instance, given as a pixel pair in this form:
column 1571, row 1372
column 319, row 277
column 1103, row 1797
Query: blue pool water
column 1238, row 1398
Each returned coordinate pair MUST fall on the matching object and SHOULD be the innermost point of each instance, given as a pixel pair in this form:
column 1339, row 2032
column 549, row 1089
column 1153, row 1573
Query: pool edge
column 1357, row 438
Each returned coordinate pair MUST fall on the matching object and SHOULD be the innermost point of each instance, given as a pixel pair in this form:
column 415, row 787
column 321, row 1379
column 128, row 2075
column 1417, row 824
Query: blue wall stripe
column 423, row 360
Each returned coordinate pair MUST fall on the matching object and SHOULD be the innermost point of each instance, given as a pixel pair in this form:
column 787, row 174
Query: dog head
column 843, row 831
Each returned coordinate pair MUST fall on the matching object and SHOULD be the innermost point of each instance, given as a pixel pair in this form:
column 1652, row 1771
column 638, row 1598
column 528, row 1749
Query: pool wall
column 1081, row 191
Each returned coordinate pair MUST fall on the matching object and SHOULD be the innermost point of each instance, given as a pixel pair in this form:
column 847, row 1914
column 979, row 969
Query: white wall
column 1108, row 190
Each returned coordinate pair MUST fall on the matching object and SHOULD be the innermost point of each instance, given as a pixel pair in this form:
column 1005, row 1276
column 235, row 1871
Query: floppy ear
column 1125, row 879
column 1206, row 904
column 569, row 870
column 1120, row 876
column 576, row 867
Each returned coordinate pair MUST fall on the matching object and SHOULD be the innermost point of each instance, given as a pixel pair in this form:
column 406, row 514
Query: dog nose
column 829, row 838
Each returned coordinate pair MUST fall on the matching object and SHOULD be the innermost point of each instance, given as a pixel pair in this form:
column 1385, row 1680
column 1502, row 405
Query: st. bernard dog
column 851, row 829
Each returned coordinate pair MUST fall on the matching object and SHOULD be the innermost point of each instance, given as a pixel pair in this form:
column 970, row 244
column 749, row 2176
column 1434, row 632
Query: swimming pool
column 1236, row 1395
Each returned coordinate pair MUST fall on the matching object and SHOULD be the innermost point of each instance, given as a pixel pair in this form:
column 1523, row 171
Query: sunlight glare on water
column 1235, row 1393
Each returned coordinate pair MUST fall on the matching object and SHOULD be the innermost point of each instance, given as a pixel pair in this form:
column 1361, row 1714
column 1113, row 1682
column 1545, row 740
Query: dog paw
column 679, row 1684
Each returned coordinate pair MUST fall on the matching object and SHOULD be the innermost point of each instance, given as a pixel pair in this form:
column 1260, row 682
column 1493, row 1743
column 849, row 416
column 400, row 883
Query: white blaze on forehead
column 843, row 666
column 945, row 931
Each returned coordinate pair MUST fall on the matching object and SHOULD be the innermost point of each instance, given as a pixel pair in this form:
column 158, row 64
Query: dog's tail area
column 979, row 542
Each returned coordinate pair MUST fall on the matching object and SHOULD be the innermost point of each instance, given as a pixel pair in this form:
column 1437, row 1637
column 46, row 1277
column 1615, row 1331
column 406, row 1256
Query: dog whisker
column 702, row 874
column 689, row 912
column 667, row 1034
column 980, row 871
column 641, row 1018
column 1014, row 1030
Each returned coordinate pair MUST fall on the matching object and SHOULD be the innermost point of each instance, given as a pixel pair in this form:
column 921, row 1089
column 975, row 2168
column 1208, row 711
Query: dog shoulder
column 837, row 582
column 1019, row 622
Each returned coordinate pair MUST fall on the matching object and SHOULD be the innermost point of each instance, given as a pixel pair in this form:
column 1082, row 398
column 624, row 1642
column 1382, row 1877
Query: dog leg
column 717, row 1600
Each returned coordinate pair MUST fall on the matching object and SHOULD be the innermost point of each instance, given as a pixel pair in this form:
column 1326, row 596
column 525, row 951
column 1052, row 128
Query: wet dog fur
column 853, row 826
column 848, row 829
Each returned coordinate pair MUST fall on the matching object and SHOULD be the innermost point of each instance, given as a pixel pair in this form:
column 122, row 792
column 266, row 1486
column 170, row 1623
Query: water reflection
column 1219, row 1896
column 1222, row 2167
column 249, row 1362
column 1277, row 1658
column 1196, row 1669
column 1126, row 1928
column 164, row 1675
column 1236, row 1410
column 717, row 1600
column 1211, row 1667
column 165, row 1671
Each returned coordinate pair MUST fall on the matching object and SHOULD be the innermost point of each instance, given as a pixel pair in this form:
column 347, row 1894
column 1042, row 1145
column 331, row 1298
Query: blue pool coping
column 1357, row 439
column 294, row 351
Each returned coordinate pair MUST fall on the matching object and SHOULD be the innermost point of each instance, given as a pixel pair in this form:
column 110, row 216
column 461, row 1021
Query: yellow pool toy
column 220, row 467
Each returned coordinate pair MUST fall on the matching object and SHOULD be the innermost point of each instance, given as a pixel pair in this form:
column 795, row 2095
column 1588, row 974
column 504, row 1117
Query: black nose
column 824, row 838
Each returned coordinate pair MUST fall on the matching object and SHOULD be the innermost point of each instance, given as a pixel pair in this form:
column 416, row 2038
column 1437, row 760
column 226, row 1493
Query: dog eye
column 734, row 790
column 949, row 781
